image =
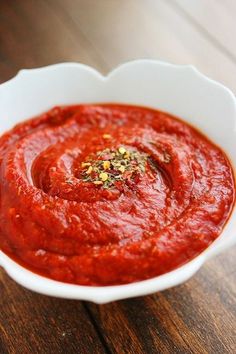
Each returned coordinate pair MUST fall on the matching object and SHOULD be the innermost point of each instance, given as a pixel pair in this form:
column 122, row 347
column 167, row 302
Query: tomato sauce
column 110, row 194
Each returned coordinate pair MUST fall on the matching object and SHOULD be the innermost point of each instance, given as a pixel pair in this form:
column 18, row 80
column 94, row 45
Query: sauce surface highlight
column 110, row 194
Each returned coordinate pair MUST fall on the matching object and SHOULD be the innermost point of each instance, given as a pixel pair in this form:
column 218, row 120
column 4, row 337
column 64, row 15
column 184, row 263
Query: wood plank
column 206, row 14
column 124, row 30
column 196, row 317
column 31, row 38
column 31, row 322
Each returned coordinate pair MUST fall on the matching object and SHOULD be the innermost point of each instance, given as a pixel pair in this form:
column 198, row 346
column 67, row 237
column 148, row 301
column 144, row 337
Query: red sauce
column 57, row 222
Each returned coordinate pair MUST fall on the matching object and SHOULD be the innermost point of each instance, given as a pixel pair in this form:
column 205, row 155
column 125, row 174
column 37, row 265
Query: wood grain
column 201, row 14
column 32, row 323
column 155, row 30
column 192, row 318
column 196, row 317
column 33, row 34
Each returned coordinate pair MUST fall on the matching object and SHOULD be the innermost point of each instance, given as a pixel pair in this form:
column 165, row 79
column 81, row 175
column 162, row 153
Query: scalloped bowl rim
column 104, row 294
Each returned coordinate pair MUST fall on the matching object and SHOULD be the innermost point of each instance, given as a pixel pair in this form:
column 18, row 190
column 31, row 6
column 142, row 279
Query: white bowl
column 180, row 90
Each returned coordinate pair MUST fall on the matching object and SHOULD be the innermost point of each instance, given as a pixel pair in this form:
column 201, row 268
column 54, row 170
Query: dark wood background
column 197, row 317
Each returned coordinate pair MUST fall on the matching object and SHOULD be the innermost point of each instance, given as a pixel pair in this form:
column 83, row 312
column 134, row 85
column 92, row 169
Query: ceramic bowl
column 180, row 90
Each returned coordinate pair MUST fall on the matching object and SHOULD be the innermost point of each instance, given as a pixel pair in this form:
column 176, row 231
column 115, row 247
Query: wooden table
column 197, row 317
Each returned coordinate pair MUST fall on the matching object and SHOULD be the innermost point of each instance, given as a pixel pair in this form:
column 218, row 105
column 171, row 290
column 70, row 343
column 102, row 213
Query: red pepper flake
column 110, row 166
